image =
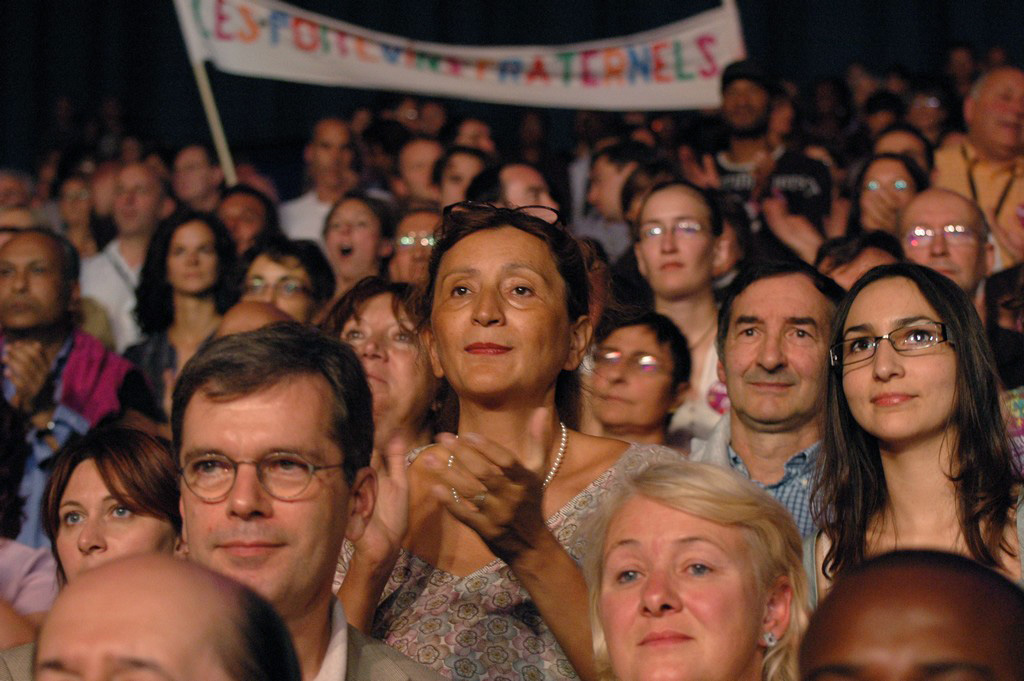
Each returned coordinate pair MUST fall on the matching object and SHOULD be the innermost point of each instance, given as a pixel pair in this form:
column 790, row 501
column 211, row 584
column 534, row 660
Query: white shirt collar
column 335, row 661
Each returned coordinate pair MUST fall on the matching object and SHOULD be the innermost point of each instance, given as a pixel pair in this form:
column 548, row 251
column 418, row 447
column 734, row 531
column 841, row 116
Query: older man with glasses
column 947, row 232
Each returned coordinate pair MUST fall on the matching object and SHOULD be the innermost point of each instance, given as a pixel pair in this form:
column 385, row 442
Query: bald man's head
column 249, row 315
column 162, row 618
column 917, row 615
column 947, row 232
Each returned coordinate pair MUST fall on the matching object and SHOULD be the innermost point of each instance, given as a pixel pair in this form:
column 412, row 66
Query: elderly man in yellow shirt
column 989, row 166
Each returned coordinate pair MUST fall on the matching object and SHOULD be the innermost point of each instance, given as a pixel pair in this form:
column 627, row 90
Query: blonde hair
column 720, row 496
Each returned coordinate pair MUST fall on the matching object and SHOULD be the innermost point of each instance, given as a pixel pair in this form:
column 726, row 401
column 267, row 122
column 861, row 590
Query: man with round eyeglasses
column 273, row 432
column 947, row 232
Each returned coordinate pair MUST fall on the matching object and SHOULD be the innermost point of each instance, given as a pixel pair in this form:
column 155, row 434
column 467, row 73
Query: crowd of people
column 724, row 396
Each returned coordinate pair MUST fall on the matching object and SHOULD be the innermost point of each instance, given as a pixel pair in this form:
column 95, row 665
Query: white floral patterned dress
column 484, row 625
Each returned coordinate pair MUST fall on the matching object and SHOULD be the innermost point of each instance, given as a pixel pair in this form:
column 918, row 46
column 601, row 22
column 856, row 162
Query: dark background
column 132, row 49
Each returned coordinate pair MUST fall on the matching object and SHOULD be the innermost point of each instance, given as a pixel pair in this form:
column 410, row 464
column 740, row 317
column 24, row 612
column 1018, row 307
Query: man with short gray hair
column 989, row 166
column 111, row 276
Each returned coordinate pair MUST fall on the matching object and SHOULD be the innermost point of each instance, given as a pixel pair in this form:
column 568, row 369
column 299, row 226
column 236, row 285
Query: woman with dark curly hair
column 487, row 548
column 184, row 290
column 915, row 452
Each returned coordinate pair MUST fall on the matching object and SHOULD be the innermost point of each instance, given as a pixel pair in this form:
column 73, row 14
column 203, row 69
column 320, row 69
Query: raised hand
column 795, row 231
column 703, row 174
column 1011, row 240
column 882, row 209
column 499, row 493
column 27, row 368
column 764, row 166
column 382, row 538
column 378, row 547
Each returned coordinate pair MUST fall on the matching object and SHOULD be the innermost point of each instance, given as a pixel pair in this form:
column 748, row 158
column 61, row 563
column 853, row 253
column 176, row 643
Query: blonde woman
column 694, row 573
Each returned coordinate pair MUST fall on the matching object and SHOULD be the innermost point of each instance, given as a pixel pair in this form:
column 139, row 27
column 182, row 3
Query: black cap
column 747, row 69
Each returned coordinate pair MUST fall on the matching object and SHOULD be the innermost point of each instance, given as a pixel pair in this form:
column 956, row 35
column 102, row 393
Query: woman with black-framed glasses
column 479, row 575
column 915, row 452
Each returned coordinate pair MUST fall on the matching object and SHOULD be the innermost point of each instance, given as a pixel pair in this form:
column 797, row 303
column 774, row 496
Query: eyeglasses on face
column 422, row 239
column 283, row 475
column 906, row 340
column 685, row 228
column 638, row 363
column 922, row 236
column 875, row 185
column 288, row 287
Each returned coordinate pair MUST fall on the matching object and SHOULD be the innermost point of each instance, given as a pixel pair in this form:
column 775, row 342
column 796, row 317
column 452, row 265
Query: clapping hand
column 496, row 493
column 382, row 537
column 27, row 368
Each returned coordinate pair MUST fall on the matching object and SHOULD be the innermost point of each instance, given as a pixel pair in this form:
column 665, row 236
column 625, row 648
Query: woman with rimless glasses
column 679, row 248
column 915, row 452
column 641, row 374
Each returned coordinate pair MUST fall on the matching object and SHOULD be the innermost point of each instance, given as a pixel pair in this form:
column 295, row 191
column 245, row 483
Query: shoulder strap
column 123, row 275
column 811, row 568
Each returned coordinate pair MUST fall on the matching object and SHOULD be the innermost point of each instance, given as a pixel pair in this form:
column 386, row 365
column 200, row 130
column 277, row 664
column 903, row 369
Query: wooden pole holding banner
column 730, row 7
column 220, row 142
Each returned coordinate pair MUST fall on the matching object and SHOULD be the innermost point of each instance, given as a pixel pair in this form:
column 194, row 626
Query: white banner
column 673, row 67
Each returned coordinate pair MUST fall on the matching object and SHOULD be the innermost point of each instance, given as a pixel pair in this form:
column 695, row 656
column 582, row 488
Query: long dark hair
column 154, row 308
column 850, row 490
column 459, row 221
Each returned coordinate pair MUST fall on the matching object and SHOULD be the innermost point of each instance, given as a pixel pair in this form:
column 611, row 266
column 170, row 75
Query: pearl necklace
column 558, row 457
column 555, row 465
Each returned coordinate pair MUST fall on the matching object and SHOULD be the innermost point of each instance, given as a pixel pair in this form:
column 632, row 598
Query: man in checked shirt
column 773, row 332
